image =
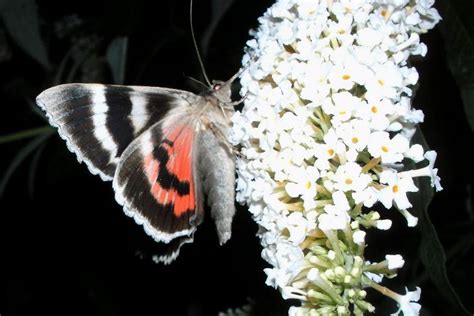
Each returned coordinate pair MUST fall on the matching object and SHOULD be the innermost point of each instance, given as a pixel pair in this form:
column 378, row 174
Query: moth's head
column 220, row 93
column 222, row 90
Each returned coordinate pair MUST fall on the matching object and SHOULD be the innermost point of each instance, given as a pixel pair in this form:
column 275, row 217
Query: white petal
column 369, row 37
column 359, row 237
column 394, row 261
column 401, row 200
column 340, row 201
column 386, row 197
column 411, row 220
column 377, row 278
column 384, row 224
column 415, row 153
column 293, row 189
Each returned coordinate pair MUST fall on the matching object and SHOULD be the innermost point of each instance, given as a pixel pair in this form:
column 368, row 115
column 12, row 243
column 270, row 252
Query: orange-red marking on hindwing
column 179, row 164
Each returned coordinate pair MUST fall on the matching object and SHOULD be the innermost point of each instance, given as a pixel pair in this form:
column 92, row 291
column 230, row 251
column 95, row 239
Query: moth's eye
column 216, row 87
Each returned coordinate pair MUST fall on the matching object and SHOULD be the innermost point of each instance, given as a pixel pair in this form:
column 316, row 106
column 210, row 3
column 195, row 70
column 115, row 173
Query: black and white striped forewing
column 99, row 121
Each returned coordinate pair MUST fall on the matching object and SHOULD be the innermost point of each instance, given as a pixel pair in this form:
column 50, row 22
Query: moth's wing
column 99, row 121
column 157, row 184
column 169, row 252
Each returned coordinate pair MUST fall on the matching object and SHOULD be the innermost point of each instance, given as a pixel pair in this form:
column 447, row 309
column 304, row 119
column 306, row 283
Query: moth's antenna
column 195, row 44
column 196, row 81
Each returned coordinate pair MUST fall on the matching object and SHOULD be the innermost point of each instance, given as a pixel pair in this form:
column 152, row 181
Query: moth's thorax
column 214, row 118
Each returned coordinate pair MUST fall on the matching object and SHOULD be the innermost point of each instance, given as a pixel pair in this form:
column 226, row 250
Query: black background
column 66, row 248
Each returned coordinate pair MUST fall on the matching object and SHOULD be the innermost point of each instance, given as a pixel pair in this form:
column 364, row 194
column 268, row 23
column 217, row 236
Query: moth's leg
column 236, row 152
column 233, row 149
column 234, row 103
column 220, row 135
column 222, row 138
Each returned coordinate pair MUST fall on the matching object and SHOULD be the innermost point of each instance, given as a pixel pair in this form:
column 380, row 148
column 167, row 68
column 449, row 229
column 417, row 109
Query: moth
column 163, row 149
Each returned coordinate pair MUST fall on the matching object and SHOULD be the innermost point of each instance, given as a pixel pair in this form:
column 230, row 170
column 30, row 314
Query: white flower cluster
column 326, row 134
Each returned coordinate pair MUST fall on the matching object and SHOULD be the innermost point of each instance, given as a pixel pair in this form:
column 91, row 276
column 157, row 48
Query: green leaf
column 20, row 156
column 431, row 251
column 25, row 134
column 219, row 9
column 21, row 21
column 457, row 29
column 117, row 57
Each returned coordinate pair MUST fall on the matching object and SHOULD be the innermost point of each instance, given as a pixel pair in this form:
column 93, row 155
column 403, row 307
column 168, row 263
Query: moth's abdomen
column 217, row 171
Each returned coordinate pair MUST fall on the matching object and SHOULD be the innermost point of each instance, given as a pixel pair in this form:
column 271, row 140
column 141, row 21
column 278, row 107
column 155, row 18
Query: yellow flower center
column 330, row 151
column 374, row 109
column 381, row 82
column 348, row 181
column 308, row 185
column 395, row 188
column 346, row 77
column 355, row 140
column 385, row 149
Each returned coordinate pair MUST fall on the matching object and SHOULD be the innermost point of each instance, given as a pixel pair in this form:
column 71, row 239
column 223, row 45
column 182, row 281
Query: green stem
column 24, row 134
column 385, row 291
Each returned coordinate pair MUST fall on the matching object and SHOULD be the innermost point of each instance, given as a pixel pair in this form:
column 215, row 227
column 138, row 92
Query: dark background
column 66, row 248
